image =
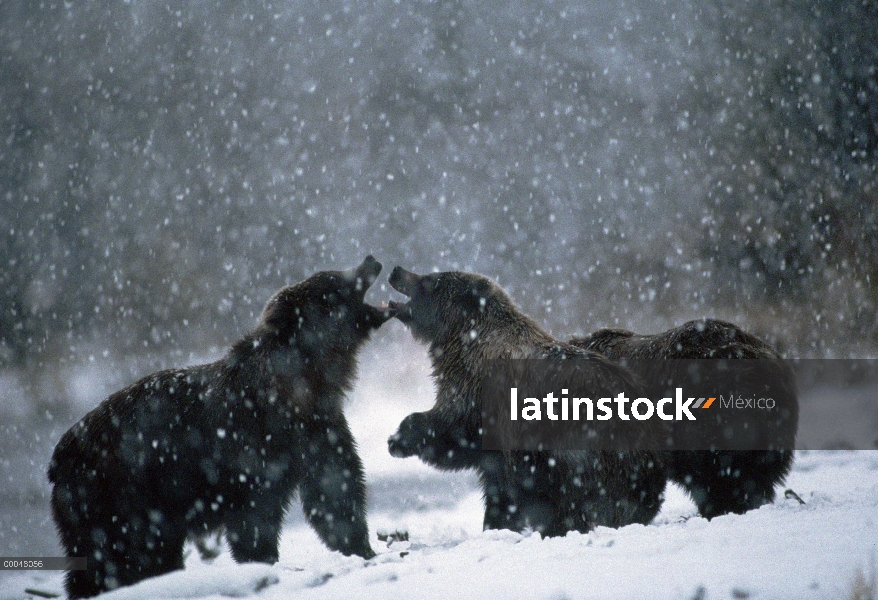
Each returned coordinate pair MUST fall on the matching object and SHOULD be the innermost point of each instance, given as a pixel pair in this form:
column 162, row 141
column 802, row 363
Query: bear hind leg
column 79, row 520
column 115, row 560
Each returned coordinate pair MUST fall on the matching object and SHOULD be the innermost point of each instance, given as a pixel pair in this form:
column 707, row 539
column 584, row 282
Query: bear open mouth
column 400, row 310
column 365, row 275
column 385, row 310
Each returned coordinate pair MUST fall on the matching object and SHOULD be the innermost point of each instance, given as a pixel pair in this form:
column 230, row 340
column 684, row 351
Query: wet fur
column 719, row 482
column 184, row 452
column 466, row 319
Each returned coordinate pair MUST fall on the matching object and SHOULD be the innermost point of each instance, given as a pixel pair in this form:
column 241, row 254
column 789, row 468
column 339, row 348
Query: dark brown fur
column 467, row 319
column 719, row 482
column 187, row 451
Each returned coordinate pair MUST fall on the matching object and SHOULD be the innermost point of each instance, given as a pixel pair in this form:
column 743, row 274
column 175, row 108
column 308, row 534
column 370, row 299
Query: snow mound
column 228, row 580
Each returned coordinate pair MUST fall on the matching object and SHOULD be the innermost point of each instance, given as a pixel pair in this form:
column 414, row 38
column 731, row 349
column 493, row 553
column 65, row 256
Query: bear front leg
column 722, row 482
column 435, row 442
column 333, row 490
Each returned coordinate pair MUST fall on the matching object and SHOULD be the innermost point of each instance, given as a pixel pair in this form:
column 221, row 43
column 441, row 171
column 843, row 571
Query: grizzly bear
column 466, row 320
column 184, row 452
column 719, row 481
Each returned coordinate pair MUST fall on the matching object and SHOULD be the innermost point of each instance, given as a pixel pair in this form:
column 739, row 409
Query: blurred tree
column 165, row 166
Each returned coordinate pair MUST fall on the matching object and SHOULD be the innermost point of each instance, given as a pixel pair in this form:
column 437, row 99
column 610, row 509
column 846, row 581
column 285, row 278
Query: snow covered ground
column 785, row 550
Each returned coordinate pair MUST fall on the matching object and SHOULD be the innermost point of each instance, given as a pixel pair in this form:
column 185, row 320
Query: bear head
column 327, row 310
column 449, row 305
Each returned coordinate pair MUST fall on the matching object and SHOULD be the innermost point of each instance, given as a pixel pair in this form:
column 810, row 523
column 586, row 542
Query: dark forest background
column 165, row 166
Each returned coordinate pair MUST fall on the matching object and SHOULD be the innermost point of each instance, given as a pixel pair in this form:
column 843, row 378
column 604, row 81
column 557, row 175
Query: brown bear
column 466, row 320
column 184, row 452
column 719, row 481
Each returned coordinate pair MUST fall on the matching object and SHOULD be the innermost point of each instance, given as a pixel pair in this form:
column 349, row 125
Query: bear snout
column 368, row 271
column 403, row 281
